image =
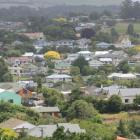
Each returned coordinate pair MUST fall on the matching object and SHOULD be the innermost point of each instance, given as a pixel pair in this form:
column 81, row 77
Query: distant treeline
column 130, row 9
column 23, row 12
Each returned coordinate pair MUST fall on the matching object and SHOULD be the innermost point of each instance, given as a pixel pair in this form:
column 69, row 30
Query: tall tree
column 130, row 29
column 127, row 9
column 80, row 62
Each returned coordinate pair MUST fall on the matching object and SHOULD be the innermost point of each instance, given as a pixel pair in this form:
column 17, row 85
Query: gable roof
column 48, row 130
column 16, row 124
column 43, row 109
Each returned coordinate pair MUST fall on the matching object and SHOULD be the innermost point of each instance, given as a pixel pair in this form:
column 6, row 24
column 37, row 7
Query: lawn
column 111, row 118
column 122, row 27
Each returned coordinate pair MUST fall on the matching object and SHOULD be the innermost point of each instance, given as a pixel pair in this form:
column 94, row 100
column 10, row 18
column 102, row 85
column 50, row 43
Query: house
column 53, row 111
column 123, row 42
column 82, row 26
column 48, row 130
column 86, row 54
column 121, row 76
column 34, row 36
column 11, row 97
column 15, row 70
column 115, row 57
column 83, row 43
column 58, row 78
column 71, row 58
column 106, row 60
column 67, row 43
column 103, row 45
column 95, row 64
column 17, row 61
column 128, row 95
column 97, row 53
column 16, row 124
column 62, row 67
column 25, row 93
column 121, row 138
column 134, row 59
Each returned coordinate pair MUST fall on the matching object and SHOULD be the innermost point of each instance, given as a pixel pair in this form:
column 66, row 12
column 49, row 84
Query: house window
column 126, row 100
column 11, row 101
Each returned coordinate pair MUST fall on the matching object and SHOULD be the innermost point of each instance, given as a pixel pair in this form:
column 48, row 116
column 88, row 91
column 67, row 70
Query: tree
column 121, row 129
column 124, row 67
column 82, row 110
column 53, row 97
column 127, row 9
column 52, row 55
column 88, row 33
column 75, row 71
column 130, row 29
column 114, row 104
column 80, row 62
column 137, row 100
column 5, row 76
column 39, row 84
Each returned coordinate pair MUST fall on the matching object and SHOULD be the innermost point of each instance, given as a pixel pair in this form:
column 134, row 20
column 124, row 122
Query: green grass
column 122, row 27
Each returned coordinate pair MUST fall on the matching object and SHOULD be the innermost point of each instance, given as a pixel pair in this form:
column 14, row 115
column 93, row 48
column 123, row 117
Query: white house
column 58, row 78
column 103, row 45
column 122, row 76
column 83, row 43
column 86, row 54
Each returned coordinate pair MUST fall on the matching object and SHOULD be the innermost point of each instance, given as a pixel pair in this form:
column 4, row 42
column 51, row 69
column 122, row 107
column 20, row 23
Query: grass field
column 110, row 118
column 122, row 27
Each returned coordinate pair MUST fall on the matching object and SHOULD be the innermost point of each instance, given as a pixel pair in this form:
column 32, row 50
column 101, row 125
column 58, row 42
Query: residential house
column 11, row 97
column 82, row 26
column 83, row 44
column 67, row 43
column 112, row 57
column 62, row 67
column 128, row 95
column 121, row 76
column 15, row 70
column 134, row 59
column 58, row 78
column 71, row 58
column 53, row 111
column 17, row 125
column 98, row 53
column 17, row 61
column 95, row 64
column 123, row 42
column 103, row 45
column 106, row 60
column 86, row 54
column 48, row 130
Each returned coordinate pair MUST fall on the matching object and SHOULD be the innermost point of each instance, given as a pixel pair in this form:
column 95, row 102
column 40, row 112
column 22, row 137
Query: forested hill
column 22, row 12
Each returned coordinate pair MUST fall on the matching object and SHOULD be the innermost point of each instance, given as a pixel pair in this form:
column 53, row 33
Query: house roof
column 48, row 130
column 101, row 52
column 58, row 76
column 121, row 75
column 16, row 124
column 42, row 109
column 103, row 44
column 84, row 52
column 121, row 138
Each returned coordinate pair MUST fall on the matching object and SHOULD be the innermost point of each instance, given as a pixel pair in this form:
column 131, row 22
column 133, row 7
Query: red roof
column 121, row 138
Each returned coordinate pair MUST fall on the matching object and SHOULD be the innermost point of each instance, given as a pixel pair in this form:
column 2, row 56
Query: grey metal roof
column 48, row 130
column 42, row 109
